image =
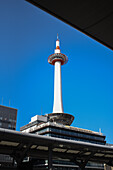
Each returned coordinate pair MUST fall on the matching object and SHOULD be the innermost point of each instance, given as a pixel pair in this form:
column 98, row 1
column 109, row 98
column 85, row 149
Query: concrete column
column 57, row 106
column 50, row 166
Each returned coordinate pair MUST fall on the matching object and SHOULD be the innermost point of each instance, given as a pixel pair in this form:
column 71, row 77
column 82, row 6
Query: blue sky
column 27, row 38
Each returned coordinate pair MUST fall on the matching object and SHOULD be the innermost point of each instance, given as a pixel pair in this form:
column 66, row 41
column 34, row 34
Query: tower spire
column 57, row 36
column 57, row 50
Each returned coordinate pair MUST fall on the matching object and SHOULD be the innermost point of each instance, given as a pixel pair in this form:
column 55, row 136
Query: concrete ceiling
column 93, row 18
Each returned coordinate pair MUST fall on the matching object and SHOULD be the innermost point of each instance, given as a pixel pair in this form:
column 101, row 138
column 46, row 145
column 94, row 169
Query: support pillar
column 81, row 168
column 81, row 164
column 50, row 166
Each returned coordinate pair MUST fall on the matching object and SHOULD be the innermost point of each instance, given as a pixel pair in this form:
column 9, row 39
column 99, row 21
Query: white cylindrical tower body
column 57, row 106
column 57, row 59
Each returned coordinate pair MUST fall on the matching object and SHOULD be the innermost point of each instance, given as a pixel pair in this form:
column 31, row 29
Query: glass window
column 9, row 126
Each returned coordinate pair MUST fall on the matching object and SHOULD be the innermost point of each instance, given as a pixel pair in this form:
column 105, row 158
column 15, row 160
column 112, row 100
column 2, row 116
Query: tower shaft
column 57, row 106
column 57, row 59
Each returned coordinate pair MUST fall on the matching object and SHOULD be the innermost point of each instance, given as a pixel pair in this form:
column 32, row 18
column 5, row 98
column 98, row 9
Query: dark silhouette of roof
column 93, row 18
column 20, row 145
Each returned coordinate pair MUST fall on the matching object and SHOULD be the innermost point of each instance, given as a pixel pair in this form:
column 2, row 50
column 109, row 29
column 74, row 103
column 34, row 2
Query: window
column 9, row 126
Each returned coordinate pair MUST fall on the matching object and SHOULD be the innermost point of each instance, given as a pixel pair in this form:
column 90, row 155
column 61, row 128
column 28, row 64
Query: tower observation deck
column 57, row 59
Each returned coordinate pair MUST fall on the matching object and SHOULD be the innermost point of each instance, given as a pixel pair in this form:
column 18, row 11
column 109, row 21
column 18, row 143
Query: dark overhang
column 93, row 18
column 25, row 144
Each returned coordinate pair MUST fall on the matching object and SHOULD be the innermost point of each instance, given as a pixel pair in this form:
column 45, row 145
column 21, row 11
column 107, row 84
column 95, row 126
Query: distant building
column 33, row 124
column 8, row 117
column 53, row 129
column 41, row 125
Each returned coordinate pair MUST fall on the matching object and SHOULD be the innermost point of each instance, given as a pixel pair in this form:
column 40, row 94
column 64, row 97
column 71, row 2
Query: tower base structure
column 61, row 118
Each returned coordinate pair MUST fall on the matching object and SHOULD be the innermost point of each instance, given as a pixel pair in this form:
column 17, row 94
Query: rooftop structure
column 34, row 123
column 42, row 125
column 66, row 132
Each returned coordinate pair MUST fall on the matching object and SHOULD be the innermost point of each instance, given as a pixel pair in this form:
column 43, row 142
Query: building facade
column 63, row 131
column 53, row 129
column 8, row 118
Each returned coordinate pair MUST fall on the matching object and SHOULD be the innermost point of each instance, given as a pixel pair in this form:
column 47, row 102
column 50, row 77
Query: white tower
column 57, row 59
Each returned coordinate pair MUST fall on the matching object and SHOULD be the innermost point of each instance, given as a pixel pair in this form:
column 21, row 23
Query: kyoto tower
column 58, row 59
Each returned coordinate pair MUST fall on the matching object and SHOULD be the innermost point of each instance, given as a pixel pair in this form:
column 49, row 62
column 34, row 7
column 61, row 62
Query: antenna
column 57, row 36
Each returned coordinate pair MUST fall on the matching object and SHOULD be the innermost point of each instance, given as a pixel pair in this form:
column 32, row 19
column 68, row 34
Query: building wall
column 8, row 117
column 66, row 133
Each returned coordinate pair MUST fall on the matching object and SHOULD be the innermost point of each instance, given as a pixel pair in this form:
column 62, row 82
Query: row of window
column 72, row 163
column 61, row 131
column 7, row 126
column 73, row 138
column 11, row 120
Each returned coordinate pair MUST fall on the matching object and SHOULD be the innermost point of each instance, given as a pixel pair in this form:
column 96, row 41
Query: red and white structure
column 57, row 59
